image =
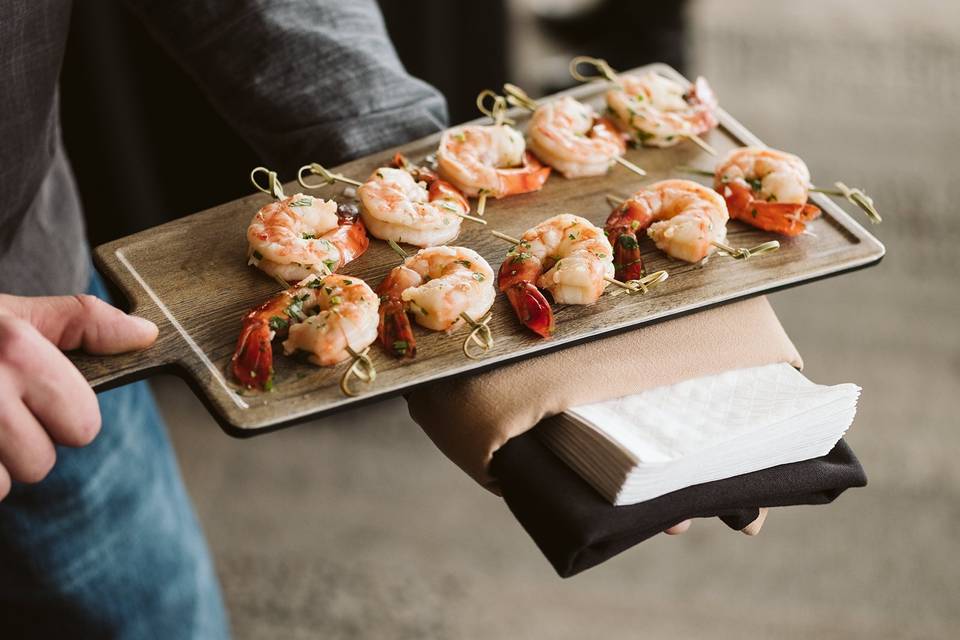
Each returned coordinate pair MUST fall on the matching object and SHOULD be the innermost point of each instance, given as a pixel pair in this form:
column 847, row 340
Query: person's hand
column 751, row 529
column 43, row 398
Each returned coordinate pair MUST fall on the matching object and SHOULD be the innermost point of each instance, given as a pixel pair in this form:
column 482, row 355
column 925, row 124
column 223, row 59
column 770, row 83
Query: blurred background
column 355, row 526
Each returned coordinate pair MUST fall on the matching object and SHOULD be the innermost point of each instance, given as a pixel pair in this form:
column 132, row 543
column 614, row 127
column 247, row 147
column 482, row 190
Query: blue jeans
column 108, row 545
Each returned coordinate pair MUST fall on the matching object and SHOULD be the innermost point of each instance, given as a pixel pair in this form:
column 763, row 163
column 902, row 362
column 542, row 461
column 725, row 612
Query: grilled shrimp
column 296, row 236
column 320, row 315
column 490, row 160
column 435, row 285
column 767, row 189
column 412, row 206
column 567, row 256
column 682, row 217
column 659, row 112
column 569, row 136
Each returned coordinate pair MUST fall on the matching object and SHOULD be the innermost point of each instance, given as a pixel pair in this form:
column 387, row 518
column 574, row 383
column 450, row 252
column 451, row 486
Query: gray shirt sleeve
column 301, row 80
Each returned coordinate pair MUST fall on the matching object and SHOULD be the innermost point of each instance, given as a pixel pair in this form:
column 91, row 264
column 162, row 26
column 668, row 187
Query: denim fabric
column 108, row 546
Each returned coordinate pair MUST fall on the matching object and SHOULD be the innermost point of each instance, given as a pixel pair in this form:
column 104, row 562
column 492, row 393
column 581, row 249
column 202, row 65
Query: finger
column 754, row 527
column 25, row 448
column 680, row 527
column 85, row 322
column 49, row 385
column 4, row 483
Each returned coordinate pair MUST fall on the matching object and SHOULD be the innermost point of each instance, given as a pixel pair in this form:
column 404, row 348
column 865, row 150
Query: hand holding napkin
column 470, row 418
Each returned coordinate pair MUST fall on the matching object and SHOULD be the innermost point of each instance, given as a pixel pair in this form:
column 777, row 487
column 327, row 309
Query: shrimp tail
column 252, row 362
column 443, row 190
column 401, row 161
column 785, row 218
column 350, row 237
column 395, row 331
column 528, row 177
column 626, row 253
column 531, row 307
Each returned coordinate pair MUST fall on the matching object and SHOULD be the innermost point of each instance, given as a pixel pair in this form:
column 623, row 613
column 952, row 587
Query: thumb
column 84, row 322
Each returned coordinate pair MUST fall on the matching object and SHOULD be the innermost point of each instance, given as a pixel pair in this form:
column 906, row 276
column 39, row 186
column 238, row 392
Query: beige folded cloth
column 470, row 418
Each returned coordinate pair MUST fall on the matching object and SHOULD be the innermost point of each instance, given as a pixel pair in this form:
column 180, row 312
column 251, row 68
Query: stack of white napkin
column 639, row 447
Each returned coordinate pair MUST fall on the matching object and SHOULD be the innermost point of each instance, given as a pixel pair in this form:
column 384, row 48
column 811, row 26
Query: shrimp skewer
column 768, row 189
column 569, row 257
column 656, row 111
column 404, row 203
column 489, row 160
column 570, row 136
column 299, row 235
column 442, row 288
column 333, row 318
column 685, row 219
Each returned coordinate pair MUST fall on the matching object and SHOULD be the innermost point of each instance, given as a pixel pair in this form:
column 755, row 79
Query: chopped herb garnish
column 642, row 135
column 305, row 201
column 460, row 136
column 753, row 213
column 628, row 241
column 400, row 346
column 279, row 324
column 479, row 277
column 572, row 236
column 771, row 198
column 330, row 265
column 309, row 236
column 335, row 300
column 756, row 184
column 257, row 255
column 465, row 263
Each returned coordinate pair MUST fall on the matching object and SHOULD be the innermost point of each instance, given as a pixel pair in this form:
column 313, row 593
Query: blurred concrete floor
column 355, row 526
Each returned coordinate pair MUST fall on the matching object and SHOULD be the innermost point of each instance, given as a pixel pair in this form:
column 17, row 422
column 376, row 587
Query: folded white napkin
column 642, row 446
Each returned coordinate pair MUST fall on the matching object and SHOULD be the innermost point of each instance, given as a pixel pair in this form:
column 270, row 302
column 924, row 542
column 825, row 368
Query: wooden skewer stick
column 273, row 188
column 633, row 286
column 361, row 368
column 629, row 165
column 520, row 98
column 329, row 178
column 854, row 195
column 481, row 336
column 498, row 113
column 740, row 253
column 482, row 204
column 700, row 142
column 606, row 72
column 743, row 253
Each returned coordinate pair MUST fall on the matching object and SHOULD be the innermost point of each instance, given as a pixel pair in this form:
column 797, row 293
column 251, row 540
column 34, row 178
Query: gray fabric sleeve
column 300, row 80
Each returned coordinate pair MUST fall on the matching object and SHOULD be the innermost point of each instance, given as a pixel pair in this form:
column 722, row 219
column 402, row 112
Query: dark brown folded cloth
column 577, row 529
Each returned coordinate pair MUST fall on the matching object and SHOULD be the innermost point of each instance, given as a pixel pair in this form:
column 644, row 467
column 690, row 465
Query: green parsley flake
column 479, row 277
column 309, row 236
column 279, row 324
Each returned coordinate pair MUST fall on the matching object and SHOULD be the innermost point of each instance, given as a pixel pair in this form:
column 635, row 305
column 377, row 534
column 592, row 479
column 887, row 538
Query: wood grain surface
column 190, row 277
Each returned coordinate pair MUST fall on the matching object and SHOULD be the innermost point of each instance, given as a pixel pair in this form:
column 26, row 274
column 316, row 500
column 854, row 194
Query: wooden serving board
column 190, row 277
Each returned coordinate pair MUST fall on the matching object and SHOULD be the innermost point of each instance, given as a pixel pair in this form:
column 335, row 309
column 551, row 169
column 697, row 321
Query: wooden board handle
column 107, row 372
